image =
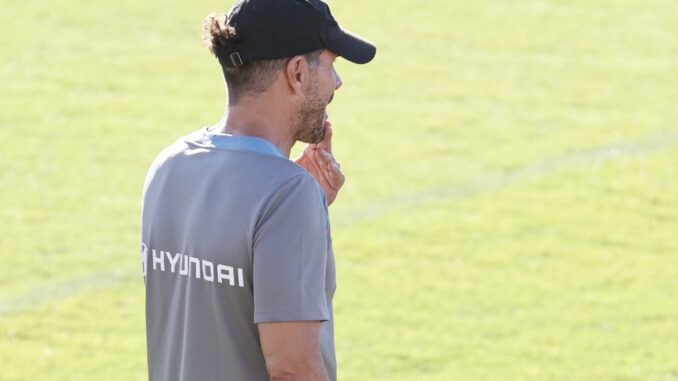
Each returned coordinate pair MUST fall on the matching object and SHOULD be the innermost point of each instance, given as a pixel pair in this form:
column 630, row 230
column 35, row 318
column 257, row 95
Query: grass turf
column 443, row 274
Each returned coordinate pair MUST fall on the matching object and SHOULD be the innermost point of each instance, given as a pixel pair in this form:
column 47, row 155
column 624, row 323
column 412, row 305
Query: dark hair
column 252, row 78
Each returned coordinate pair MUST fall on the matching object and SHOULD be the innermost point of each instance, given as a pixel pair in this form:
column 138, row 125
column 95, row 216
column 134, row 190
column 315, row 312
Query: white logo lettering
column 241, row 279
column 173, row 260
column 192, row 266
column 183, row 266
column 144, row 257
column 197, row 267
column 225, row 272
column 158, row 259
column 208, row 265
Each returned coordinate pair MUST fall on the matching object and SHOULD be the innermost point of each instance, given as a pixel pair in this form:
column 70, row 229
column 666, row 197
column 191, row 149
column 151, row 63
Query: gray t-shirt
column 233, row 233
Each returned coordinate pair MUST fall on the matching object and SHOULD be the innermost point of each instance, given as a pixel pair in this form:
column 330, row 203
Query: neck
column 261, row 118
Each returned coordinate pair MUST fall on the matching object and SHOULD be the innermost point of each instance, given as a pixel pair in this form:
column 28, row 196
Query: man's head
column 250, row 78
column 257, row 41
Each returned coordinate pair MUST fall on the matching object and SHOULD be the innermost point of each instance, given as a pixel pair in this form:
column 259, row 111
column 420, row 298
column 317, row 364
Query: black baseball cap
column 271, row 29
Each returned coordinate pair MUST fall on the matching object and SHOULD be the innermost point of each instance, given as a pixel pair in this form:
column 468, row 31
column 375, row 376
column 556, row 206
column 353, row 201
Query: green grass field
column 510, row 210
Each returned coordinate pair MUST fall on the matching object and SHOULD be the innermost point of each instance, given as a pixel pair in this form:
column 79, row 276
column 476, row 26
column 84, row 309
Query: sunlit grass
column 566, row 274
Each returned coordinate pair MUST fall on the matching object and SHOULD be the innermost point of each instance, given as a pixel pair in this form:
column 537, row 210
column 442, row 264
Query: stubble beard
column 310, row 120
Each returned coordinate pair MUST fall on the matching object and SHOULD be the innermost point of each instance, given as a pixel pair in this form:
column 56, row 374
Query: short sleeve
column 290, row 254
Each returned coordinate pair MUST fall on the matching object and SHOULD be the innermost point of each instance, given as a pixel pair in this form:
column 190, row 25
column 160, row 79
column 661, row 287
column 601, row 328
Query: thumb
column 326, row 143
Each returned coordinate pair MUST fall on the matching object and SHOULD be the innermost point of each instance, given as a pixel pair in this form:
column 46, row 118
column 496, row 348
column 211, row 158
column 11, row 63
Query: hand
column 319, row 161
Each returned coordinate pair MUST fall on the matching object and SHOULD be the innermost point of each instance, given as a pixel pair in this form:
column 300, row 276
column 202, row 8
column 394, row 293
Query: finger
column 325, row 156
column 335, row 177
column 326, row 143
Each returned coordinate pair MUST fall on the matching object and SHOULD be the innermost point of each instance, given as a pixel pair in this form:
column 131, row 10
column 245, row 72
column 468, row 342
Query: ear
column 297, row 74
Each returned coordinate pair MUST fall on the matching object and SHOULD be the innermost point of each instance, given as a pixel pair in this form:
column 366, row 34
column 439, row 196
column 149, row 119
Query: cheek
column 329, row 87
column 331, row 80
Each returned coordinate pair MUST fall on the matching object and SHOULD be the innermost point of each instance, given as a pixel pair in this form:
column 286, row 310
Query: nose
column 337, row 79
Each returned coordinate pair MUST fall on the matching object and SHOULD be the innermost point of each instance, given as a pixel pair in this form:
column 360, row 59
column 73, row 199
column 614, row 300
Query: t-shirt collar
column 207, row 137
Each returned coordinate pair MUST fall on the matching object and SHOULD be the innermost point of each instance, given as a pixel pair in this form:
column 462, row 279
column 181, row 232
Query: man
column 236, row 245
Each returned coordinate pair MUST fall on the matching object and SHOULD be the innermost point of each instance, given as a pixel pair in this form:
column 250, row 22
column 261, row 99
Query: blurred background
column 509, row 211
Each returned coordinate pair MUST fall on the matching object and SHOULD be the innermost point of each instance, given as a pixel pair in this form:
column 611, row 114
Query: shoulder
column 299, row 184
column 299, row 195
column 179, row 146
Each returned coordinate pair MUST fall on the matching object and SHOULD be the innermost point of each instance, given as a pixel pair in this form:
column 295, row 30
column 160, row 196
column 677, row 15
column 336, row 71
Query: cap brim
column 350, row 46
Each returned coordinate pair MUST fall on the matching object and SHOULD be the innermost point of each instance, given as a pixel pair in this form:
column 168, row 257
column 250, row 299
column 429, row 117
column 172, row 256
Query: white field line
column 495, row 180
column 379, row 208
column 63, row 289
